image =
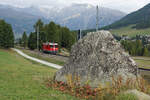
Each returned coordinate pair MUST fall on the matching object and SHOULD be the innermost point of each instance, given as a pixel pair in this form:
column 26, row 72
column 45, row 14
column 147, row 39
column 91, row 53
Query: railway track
column 46, row 55
column 66, row 58
column 144, row 69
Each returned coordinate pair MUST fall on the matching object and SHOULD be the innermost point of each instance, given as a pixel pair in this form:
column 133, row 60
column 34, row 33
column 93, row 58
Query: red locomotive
column 50, row 47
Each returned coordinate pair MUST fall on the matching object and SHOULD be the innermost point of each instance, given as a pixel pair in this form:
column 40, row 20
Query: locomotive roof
column 48, row 43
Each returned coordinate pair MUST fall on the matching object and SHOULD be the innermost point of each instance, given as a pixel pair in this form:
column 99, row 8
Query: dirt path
column 37, row 60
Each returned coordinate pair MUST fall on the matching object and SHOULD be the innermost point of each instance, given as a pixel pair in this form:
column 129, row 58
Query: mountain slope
column 75, row 16
column 20, row 21
column 140, row 19
column 84, row 16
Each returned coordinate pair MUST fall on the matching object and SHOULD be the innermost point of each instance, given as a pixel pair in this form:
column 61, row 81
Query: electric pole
column 97, row 17
column 37, row 37
column 80, row 33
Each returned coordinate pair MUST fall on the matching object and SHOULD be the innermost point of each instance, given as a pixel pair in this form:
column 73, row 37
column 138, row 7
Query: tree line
column 136, row 48
column 48, row 33
column 6, row 35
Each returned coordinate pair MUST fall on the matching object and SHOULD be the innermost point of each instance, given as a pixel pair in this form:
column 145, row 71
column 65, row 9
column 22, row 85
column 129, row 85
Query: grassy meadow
column 130, row 31
column 142, row 62
column 22, row 79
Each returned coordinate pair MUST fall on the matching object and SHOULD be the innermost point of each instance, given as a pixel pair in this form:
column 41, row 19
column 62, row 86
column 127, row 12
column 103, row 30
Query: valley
column 74, row 50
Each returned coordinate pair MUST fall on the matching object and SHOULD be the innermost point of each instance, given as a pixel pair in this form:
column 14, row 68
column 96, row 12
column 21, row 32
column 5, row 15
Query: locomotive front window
column 56, row 46
column 51, row 46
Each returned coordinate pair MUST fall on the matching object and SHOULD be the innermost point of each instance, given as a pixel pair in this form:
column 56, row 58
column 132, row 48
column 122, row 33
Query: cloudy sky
column 123, row 5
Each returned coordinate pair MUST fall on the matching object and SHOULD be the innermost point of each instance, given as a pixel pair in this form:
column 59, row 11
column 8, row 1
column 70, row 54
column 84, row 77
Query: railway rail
column 144, row 69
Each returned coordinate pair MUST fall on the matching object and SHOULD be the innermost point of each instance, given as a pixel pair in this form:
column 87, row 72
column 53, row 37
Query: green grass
column 126, row 97
column 52, row 60
column 21, row 79
column 142, row 62
column 130, row 31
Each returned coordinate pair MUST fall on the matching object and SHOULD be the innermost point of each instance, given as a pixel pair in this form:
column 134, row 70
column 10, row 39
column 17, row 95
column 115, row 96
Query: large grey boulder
column 96, row 58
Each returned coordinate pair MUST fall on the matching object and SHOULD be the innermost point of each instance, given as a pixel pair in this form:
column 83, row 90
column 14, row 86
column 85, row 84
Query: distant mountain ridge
column 84, row 16
column 20, row 21
column 139, row 19
column 76, row 16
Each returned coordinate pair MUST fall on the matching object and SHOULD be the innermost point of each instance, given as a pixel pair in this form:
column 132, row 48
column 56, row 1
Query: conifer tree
column 32, row 43
column 24, row 40
column 51, row 33
column 39, row 25
column 145, row 52
column 6, row 35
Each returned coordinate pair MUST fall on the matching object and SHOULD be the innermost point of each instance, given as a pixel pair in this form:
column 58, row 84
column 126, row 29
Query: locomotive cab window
column 56, row 46
column 51, row 46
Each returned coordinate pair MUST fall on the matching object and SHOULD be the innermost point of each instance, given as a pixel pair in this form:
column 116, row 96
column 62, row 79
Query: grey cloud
column 123, row 5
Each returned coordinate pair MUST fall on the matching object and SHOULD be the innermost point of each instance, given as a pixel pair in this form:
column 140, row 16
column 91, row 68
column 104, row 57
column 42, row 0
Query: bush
column 109, row 92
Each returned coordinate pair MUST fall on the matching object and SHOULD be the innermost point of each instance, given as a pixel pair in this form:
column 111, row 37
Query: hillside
column 22, row 79
column 139, row 19
column 128, row 30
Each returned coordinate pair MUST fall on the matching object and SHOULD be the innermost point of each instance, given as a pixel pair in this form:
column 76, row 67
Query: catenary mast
column 97, row 17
